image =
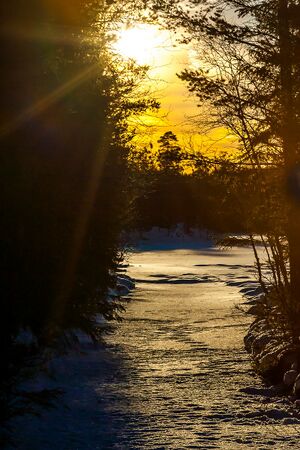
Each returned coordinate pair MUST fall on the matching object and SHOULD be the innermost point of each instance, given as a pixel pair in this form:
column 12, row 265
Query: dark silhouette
column 64, row 178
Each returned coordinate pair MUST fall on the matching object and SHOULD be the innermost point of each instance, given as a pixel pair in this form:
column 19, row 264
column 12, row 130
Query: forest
column 76, row 181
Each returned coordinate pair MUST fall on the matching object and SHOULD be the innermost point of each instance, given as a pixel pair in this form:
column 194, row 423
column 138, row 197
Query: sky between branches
column 159, row 49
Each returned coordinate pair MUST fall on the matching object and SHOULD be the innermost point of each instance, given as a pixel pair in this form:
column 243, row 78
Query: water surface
column 174, row 374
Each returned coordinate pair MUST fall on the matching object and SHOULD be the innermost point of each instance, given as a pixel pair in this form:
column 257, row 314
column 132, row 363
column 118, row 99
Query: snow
column 174, row 374
column 169, row 239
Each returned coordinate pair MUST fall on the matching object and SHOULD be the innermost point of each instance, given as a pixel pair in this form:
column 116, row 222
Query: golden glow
column 158, row 49
column 145, row 44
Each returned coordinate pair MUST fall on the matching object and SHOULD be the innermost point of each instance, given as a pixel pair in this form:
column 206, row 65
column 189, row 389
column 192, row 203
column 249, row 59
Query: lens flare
column 145, row 44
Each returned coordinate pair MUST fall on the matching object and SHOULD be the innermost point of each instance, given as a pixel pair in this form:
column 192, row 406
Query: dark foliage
column 221, row 197
column 63, row 174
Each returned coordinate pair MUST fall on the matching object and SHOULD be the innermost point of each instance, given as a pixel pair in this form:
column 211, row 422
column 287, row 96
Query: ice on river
column 174, row 374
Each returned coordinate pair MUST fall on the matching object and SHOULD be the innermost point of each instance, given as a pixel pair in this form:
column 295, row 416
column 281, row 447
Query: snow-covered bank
column 275, row 354
column 41, row 378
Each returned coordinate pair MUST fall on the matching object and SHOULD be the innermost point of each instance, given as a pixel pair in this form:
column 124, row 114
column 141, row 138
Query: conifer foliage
column 63, row 163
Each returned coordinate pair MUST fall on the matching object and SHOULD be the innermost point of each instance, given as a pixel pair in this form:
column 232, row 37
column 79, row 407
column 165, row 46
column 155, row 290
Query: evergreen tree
column 64, row 146
column 169, row 153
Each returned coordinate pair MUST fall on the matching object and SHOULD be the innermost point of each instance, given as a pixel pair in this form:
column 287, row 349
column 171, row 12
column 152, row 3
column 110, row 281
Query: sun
column 145, row 44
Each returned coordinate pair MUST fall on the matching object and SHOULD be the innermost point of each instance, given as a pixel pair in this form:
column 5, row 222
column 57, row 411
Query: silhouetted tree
column 169, row 152
column 64, row 147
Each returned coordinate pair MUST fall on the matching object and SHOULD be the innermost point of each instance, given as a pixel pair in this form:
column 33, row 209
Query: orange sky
column 159, row 49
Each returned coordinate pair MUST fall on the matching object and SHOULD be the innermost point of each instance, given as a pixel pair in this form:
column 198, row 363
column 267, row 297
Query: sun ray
column 46, row 102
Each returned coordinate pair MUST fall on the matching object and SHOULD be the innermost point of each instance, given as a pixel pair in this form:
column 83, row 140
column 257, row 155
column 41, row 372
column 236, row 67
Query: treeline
column 65, row 100
column 214, row 202
column 211, row 193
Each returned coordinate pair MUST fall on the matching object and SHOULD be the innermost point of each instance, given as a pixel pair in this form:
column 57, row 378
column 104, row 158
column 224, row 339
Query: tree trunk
column 290, row 144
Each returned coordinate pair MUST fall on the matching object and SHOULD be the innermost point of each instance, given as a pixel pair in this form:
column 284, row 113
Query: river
column 174, row 374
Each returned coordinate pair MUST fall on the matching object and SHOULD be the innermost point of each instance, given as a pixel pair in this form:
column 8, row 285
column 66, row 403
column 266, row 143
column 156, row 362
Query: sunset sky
column 149, row 45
